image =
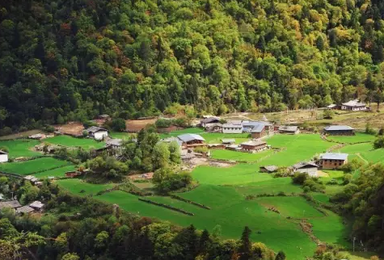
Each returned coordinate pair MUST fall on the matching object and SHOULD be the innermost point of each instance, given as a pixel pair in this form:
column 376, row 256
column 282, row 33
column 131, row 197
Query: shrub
column 379, row 142
column 163, row 123
column 352, row 166
column 369, row 129
column 328, row 114
column 118, row 124
column 201, row 149
column 299, row 178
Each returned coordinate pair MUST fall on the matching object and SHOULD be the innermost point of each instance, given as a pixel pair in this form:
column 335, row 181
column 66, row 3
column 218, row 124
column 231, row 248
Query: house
column 228, row 141
column 14, row 204
column 97, row 133
column 354, row 105
column 72, row 174
column 232, row 128
column 253, row 126
column 286, row 129
column 333, row 160
column 214, row 128
column 306, row 167
column 191, row 140
column 3, row 156
column 269, row 168
column 115, row 146
column 24, row 210
column 253, row 146
column 339, row 130
column 209, row 120
column 31, row 178
column 37, row 205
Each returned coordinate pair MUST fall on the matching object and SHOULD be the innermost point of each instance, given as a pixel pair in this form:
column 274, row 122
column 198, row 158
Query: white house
column 97, row 133
column 232, row 128
column 354, row 105
column 309, row 168
column 3, row 157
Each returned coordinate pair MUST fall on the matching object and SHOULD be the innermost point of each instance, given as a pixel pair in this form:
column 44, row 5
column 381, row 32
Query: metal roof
column 338, row 128
column 24, row 209
column 3, row 152
column 233, row 125
column 172, row 139
column 210, row 120
column 10, row 204
column 288, row 128
column 334, row 156
column 94, row 129
column 304, row 164
column 258, row 128
column 190, row 137
column 114, row 142
column 354, row 103
column 36, row 204
column 254, row 143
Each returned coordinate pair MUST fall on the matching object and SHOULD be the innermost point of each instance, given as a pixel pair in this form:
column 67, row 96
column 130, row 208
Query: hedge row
column 167, row 206
column 189, row 201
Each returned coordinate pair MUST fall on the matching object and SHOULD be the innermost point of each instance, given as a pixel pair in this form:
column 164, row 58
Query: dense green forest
column 74, row 59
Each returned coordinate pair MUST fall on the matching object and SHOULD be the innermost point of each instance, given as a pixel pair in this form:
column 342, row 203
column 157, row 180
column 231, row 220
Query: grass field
column 69, row 141
column 357, row 138
column 120, row 135
column 239, row 156
column 59, row 172
column 364, row 151
column 192, row 130
column 20, row 148
column 28, row 167
column 76, row 185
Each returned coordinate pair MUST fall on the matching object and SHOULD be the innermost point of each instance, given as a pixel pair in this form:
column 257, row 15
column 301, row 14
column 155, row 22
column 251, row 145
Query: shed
column 289, row 129
column 37, row 205
column 269, row 168
column 228, row 141
column 339, row 130
column 24, row 210
column 332, row 160
column 306, row 167
column 98, row 133
column 3, row 156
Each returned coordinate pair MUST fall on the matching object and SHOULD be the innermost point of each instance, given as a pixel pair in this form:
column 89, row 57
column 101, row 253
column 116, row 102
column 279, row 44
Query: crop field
column 20, row 148
column 120, row 135
column 365, row 152
column 32, row 166
column 241, row 196
column 68, row 141
column 357, row 138
column 192, row 130
column 239, row 156
column 59, row 172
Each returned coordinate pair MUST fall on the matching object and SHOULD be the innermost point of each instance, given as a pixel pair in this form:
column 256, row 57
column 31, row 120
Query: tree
column 280, row 256
column 118, row 124
column 161, row 155
column 328, row 114
column 379, row 142
column 175, row 152
column 246, row 245
column 70, row 256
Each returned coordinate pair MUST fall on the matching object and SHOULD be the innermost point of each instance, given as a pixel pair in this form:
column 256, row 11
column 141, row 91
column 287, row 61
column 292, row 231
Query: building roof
column 190, row 137
column 95, row 129
column 288, row 128
column 114, row 142
column 231, row 125
column 31, row 178
column 3, row 152
column 334, row 156
column 338, row 128
column 24, row 209
column 10, row 204
column 354, row 103
column 254, row 143
column 210, row 120
column 305, row 165
column 258, row 128
column 332, row 106
column 228, row 141
column 270, row 168
column 36, row 204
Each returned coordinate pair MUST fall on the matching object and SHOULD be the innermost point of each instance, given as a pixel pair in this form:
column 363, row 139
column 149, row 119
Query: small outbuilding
column 289, row 129
column 3, row 157
column 253, row 146
column 269, row 168
column 339, row 130
column 37, row 205
column 98, row 133
column 333, row 160
column 306, row 167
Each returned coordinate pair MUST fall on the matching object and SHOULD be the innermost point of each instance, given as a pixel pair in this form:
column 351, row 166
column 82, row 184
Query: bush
column 369, row 129
column 352, row 166
column 118, row 124
column 5, row 131
column 201, row 149
column 313, row 184
column 379, row 142
column 328, row 114
column 299, row 178
column 163, row 123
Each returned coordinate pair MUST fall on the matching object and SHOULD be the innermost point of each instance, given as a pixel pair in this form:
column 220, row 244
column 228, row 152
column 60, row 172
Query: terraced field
column 68, row 141
column 32, row 166
column 20, row 148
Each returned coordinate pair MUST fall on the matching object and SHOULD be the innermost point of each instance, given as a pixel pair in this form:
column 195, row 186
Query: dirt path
column 362, row 158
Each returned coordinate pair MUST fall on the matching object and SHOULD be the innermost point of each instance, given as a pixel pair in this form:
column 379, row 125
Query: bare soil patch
column 71, row 128
column 134, row 126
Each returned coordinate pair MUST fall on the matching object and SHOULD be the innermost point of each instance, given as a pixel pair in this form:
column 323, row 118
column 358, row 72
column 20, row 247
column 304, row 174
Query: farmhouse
column 37, row 205
column 3, row 156
column 339, row 130
column 354, row 105
column 14, row 204
column 191, row 140
column 24, row 210
column 306, row 167
column 97, row 133
column 210, row 120
column 269, row 168
column 293, row 130
column 333, row 160
column 233, row 128
column 253, row 146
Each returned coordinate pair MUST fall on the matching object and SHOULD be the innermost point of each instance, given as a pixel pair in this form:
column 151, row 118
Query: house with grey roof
column 228, row 141
column 98, row 133
column 24, row 210
column 191, row 140
column 269, row 168
column 309, row 168
column 332, row 160
column 37, row 205
column 233, row 128
column 354, row 105
column 289, row 129
column 14, row 204
column 339, row 130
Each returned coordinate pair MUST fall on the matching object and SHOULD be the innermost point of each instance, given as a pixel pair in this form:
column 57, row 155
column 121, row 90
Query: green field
column 68, row 141
column 120, row 135
column 239, row 156
column 192, row 130
column 20, row 148
column 357, row 138
column 28, row 167
column 59, row 172
column 365, row 151
column 225, row 190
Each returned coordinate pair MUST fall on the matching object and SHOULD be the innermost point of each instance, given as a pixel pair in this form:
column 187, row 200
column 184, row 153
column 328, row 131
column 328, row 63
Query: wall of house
column 353, row 108
column 3, row 158
column 250, row 148
column 346, row 132
column 100, row 135
column 331, row 164
column 312, row 172
column 232, row 130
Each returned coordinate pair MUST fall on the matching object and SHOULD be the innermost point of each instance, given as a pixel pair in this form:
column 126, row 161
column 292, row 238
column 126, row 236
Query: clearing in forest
column 68, row 141
column 32, row 166
column 20, row 148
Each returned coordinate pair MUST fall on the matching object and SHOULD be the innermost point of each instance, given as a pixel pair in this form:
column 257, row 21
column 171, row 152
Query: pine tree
column 246, row 245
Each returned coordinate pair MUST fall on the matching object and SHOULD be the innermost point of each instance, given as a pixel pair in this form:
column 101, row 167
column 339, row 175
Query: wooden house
column 191, row 140
column 332, row 160
column 97, row 133
column 253, row 146
column 339, row 130
column 354, row 105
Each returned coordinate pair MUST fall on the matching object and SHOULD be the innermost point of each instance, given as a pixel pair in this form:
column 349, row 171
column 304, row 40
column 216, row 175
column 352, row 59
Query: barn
column 306, row 167
column 333, row 160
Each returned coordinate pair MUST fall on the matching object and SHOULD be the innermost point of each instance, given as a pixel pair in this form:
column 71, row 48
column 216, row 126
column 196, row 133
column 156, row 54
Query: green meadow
column 357, row 138
column 239, row 156
column 20, row 148
column 28, row 167
column 68, row 141
column 59, row 172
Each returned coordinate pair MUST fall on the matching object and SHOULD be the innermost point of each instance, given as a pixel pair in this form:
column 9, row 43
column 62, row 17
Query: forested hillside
column 73, row 59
